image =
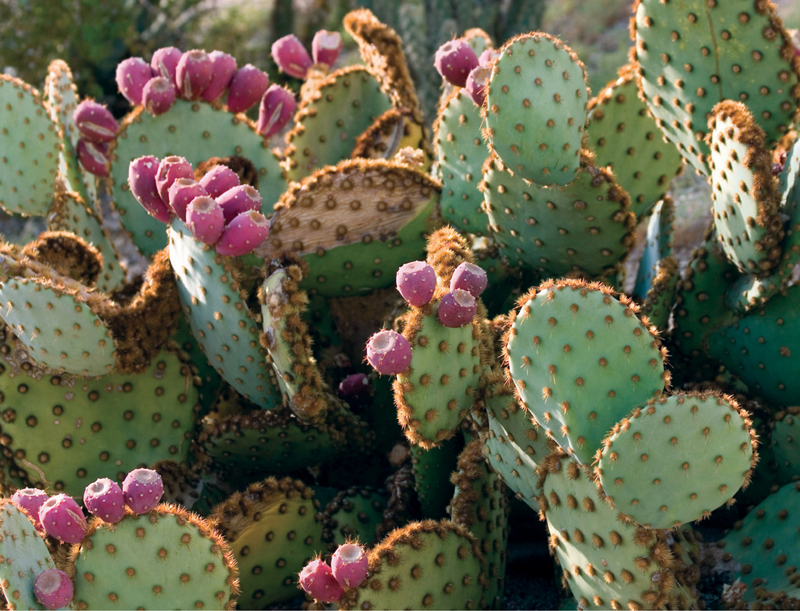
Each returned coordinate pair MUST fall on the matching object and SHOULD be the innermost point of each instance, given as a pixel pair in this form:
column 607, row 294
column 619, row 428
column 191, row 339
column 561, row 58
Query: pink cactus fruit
column 181, row 194
column 350, row 565
column 95, row 122
column 246, row 232
column 223, row 69
column 470, row 277
column 103, row 498
column 488, row 56
column 142, row 490
column 169, row 170
column 247, row 87
column 455, row 60
column 240, row 198
column 325, row 47
column 457, row 308
column 291, row 56
column 205, row 219
column 194, row 73
column 354, row 385
column 30, row 500
column 219, row 179
column 388, row 352
column 93, row 156
column 276, row 110
column 159, row 95
column 318, row 581
column 416, row 282
column 142, row 174
column 53, row 589
column 62, row 519
column 164, row 63
column 477, row 81
column 132, row 76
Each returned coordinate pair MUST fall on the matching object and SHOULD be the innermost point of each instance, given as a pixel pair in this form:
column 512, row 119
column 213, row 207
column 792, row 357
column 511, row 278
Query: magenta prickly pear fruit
column 205, row 219
column 194, row 73
column 95, row 122
column 164, row 63
column 53, row 589
column 291, row 56
column 488, row 56
column 318, row 581
column 470, row 277
column 350, row 565
column 476, row 84
column 62, row 519
column 104, row 499
column 246, row 232
column 416, row 282
column 132, row 76
column 142, row 174
column 355, row 390
column 455, row 60
column 219, row 179
column 169, row 170
column 93, row 156
column 223, row 69
column 276, row 110
column 457, row 308
column 240, row 198
column 30, row 500
column 159, row 95
column 142, row 490
column 181, row 194
column 388, row 352
column 325, row 47
column 247, row 87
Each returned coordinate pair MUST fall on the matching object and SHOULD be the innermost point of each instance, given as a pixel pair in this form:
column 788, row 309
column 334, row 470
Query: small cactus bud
column 142, row 182
column 416, row 282
column 62, row 519
column 219, row 179
column 164, row 63
column 389, row 352
column 291, row 57
column 476, row 84
column 132, row 76
column 53, row 589
column 205, row 219
column 469, row 277
column 223, row 69
column 248, row 85
column 276, row 110
column 355, row 389
column 30, row 500
column 457, row 308
column 246, row 232
column 325, row 47
column 95, row 122
column 455, row 60
column 488, row 56
column 142, row 490
column 181, row 194
column 103, row 498
column 350, row 565
column 169, row 170
column 240, row 198
column 318, row 581
column 194, row 74
column 159, row 95
column 93, row 156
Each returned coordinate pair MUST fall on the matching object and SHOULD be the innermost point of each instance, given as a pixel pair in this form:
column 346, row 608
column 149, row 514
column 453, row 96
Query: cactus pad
column 786, row 443
column 432, row 470
column 353, row 515
column 657, row 246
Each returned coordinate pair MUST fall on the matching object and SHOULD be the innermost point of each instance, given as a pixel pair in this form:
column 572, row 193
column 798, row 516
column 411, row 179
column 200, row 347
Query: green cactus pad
column 29, row 141
column 536, row 109
column 625, row 138
column 65, row 432
column 328, row 122
column 660, row 299
column 197, row 132
column 749, row 292
column 692, row 55
column 657, row 246
column 59, row 327
column 164, row 559
column 393, row 131
column 432, row 470
column 580, row 360
column 426, row 565
column 677, row 459
column 273, row 529
column 789, row 188
column 25, row 556
column 461, row 152
column 584, row 227
column 220, row 318
column 353, row 515
column 785, row 439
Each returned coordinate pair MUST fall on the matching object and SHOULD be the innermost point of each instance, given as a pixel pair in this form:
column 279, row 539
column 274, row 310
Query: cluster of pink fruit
column 216, row 209
column 326, row 583
column 459, row 65
column 293, row 59
column 388, row 352
column 97, row 127
column 62, row 518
